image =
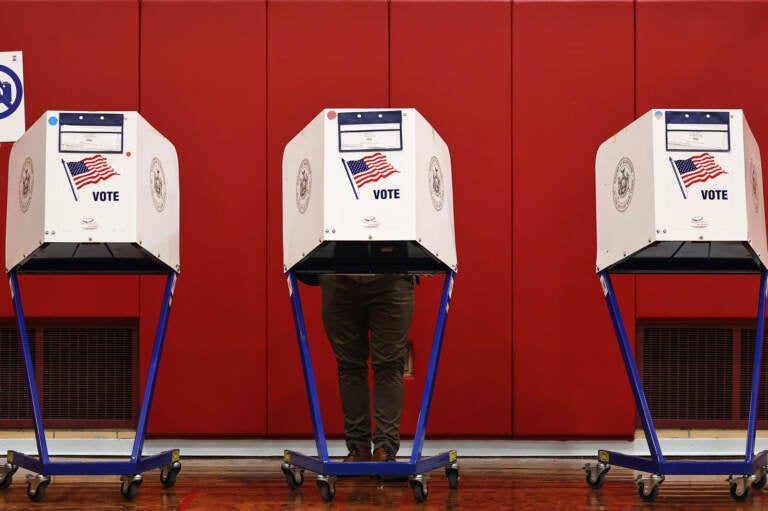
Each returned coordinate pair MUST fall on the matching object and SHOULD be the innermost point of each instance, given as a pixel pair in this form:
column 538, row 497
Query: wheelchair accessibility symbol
column 11, row 91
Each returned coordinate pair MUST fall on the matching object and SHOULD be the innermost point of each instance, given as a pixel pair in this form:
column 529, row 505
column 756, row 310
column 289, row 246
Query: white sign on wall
column 12, row 124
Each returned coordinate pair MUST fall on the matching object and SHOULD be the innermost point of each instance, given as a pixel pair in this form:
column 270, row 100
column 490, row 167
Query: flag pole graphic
column 677, row 176
column 69, row 178
column 346, row 169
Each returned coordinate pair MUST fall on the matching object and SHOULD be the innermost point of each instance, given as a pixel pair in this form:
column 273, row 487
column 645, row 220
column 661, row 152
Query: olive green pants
column 353, row 307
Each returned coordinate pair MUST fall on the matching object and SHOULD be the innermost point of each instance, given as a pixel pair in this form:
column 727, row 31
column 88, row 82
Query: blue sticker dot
column 53, row 121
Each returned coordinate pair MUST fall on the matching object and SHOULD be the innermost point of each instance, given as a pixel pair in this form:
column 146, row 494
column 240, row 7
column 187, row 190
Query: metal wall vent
column 747, row 354
column 86, row 374
column 698, row 375
column 14, row 397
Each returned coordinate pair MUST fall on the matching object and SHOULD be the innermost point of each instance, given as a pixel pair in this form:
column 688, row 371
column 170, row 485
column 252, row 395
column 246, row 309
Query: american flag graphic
column 370, row 169
column 698, row 169
column 90, row 170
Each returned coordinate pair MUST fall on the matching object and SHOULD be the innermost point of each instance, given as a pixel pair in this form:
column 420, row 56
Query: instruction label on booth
column 698, row 131
column 371, row 131
column 90, row 133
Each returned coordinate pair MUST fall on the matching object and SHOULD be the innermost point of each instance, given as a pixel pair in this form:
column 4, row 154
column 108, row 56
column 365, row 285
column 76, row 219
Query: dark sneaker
column 358, row 453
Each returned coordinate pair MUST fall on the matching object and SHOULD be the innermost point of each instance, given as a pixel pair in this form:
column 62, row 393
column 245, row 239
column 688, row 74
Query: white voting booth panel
column 368, row 191
column 92, row 191
column 681, row 191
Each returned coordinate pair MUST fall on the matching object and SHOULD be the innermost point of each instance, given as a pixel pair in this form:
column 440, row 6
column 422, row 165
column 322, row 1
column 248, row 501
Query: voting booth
column 92, row 192
column 681, row 191
column 368, row 191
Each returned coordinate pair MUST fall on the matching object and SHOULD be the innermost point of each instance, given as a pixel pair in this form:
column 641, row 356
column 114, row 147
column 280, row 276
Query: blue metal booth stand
column 415, row 468
column 751, row 471
column 130, row 471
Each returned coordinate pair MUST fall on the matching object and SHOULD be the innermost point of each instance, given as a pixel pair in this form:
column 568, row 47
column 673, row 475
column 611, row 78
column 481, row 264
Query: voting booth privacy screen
column 681, row 191
column 368, row 191
column 92, row 191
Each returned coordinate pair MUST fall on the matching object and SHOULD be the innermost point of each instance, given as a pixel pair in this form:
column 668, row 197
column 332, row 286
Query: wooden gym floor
column 244, row 484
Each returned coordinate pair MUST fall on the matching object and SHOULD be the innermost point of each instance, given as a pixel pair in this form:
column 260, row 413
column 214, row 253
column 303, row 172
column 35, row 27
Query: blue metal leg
column 306, row 364
column 323, row 465
column 43, row 465
column 631, row 368
column 157, row 350
column 740, row 471
column 759, row 333
column 29, row 369
column 429, row 383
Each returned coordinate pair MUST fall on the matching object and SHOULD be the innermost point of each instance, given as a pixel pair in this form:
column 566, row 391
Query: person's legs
column 390, row 310
column 345, row 325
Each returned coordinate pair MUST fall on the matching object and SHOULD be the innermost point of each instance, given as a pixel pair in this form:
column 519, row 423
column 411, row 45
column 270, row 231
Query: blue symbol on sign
column 7, row 101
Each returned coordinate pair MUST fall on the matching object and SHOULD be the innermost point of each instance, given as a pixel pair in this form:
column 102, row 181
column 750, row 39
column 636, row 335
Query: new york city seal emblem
column 436, row 184
column 157, row 184
column 26, row 184
column 303, row 185
column 623, row 184
column 753, row 172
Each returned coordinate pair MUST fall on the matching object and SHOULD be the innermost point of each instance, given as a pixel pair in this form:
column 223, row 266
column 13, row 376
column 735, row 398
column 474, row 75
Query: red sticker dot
column 331, row 114
column 128, row 153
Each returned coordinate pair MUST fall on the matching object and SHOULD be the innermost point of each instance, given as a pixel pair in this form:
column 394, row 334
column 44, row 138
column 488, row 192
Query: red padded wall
column 523, row 99
column 572, row 88
column 722, row 70
column 451, row 61
column 697, row 296
column 63, row 69
column 321, row 54
column 203, row 86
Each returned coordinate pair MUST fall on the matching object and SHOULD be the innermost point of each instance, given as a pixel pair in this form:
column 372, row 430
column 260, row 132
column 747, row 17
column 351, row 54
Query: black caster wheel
column 293, row 476
column 7, row 479
column 420, row 490
column 739, row 494
column 648, row 491
column 452, row 473
column 596, row 474
column 37, row 494
column 169, row 473
column 130, row 489
column 327, row 491
column 595, row 481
